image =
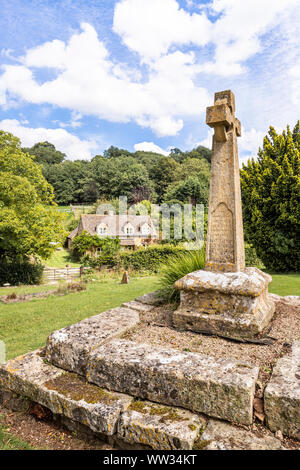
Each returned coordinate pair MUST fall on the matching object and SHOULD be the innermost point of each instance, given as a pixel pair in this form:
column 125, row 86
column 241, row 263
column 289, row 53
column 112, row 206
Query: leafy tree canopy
column 29, row 220
column 271, row 200
column 45, row 153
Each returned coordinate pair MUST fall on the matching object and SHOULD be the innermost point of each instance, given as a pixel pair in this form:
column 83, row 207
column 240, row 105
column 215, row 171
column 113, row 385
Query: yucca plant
column 177, row 267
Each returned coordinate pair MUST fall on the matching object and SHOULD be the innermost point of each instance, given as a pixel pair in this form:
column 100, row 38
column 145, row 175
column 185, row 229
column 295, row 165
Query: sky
column 139, row 74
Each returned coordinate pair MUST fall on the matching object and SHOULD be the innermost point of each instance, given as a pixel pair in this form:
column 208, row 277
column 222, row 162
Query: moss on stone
column 74, row 387
column 200, row 445
column 166, row 413
column 192, row 427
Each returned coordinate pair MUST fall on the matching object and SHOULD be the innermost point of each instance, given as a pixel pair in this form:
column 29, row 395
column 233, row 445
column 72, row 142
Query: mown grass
column 25, row 326
column 285, row 284
column 59, row 259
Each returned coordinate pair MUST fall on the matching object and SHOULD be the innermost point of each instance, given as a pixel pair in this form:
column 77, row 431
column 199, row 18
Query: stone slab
column 250, row 283
column 152, row 298
column 63, row 393
column 138, row 306
column 223, row 436
column 220, row 388
column 234, row 305
column 282, row 395
column 160, row 427
column 70, row 347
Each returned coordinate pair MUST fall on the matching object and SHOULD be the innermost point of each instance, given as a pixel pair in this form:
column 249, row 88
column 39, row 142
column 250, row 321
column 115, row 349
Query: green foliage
column 20, row 271
column 85, row 242
column 72, row 182
column 271, row 200
column 137, row 175
column 147, row 259
column 122, row 176
column 177, row 267
column 29, row 220
column 193, row 189
column 45, row 153
column 251, row 257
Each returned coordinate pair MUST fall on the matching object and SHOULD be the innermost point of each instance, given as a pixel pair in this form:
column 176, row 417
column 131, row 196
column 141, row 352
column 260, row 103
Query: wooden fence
column 56, row 274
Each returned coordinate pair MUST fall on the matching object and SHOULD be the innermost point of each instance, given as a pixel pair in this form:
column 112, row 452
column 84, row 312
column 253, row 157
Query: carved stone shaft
column 225, row 239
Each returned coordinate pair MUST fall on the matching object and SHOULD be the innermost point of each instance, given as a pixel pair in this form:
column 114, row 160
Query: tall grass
column 177, row 267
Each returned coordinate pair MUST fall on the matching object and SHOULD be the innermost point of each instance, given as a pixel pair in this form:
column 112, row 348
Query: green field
column 26, row 325
column 59, row 259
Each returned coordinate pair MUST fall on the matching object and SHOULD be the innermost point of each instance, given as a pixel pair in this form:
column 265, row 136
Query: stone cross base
column 232, row 305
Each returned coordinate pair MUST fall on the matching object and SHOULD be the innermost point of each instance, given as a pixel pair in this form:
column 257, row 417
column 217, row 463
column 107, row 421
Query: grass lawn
column 59, row 259
column 10, row 442
column 285, row 284
column 26, row 325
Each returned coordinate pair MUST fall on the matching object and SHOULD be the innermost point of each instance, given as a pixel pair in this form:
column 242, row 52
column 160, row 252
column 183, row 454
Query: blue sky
column 139, row 74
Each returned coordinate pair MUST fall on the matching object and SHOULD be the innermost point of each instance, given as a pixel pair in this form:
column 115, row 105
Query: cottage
column 132, row 230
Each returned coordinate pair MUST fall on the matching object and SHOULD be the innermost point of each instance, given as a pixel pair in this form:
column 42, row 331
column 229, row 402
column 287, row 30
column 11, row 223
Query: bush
column 149, row 259
column 251, row 257
column 270, row 192
column 16, row 272
column 179, row 266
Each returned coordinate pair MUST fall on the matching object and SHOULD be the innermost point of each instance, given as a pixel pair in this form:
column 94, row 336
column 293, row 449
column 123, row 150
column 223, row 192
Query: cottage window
column 145, row 229
column 102, row 229
column 129, row 229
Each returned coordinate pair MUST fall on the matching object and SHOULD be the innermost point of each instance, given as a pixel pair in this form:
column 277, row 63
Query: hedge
column 150, row 259
column 16, row 272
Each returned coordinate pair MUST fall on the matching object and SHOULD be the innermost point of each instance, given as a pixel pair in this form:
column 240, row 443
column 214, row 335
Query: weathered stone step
column 69, row 347
column 221, row 388
column 158, row 426
column 114, row 416
column 282, row 395
column 222, row 436
column 64, row 393
column 138, row 306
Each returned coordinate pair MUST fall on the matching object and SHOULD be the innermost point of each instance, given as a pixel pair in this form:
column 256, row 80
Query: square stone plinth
column 234, row 305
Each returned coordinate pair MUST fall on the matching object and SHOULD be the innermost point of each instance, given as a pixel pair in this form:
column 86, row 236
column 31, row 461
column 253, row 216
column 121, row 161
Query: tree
column 192, row 190
column 115, row 152
column 271, row 200
column 29, row 220
column 121, row 176
column 72, row 182
column 45, row 153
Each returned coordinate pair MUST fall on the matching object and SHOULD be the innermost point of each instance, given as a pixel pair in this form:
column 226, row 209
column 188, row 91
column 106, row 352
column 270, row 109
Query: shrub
column 23, row 271
column 271, row 200
column 149, row 259
column 251, row 257
column 179, row 266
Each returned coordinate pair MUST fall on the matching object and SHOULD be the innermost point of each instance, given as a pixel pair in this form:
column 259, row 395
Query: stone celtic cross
column 225, row 239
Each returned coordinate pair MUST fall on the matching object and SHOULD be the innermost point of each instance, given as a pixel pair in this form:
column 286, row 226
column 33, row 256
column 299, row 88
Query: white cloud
column 150, row 147
column 88, row 82
column 150, row 28
column 295, row 83
column 64, row 141
column 251, row 141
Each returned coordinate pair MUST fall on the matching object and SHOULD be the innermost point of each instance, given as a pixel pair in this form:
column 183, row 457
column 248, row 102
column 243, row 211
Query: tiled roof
column 73, row 234
column 116, row 223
